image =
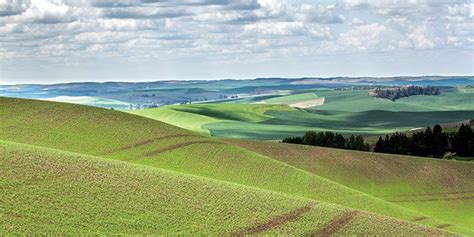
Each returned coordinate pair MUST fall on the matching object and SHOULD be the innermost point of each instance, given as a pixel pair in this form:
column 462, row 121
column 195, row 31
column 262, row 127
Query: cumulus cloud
column 11, row 7
column 70, row 30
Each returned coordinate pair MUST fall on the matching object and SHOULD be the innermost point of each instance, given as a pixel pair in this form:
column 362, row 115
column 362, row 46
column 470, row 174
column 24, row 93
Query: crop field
column 135, row 141
column 106, row 193
column 437, row 188
column 360, row 101
column 173, row 149
column 346, row 112
column 92, row 101
column 289, row 99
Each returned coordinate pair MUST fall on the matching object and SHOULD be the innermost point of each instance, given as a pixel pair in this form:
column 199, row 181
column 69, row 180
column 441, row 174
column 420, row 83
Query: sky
column 51, row 41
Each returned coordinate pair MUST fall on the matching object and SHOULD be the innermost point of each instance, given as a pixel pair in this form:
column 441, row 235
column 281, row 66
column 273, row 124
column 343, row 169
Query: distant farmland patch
column 292, row 98
column 308, row 103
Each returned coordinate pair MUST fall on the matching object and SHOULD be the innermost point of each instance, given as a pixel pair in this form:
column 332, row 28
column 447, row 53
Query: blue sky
column 48, row 41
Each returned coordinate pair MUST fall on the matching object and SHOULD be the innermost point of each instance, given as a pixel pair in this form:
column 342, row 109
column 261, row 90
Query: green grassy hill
column 288, row 99
column 360, row 101
column 121, row 136
column 57, row 192
column 275, row 122
column 438, row 188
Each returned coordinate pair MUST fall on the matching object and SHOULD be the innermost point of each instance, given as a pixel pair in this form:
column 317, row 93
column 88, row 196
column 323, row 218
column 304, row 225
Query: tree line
column 330, row 139
column 429, row 143
column 400, row 92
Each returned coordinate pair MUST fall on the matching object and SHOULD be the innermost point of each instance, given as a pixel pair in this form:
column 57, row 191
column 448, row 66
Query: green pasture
column 58, row 192
column 92, row 101
column 121, row 136
column 441, row 189
column 288, row 99
column 346, row 112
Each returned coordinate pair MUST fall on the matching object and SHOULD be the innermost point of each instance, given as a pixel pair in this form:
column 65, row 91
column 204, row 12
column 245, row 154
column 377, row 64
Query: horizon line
column 235, row 79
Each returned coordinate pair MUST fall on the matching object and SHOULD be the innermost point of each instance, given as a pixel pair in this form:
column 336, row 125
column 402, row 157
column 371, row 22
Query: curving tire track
column 421, row 218
column 148, row 141
column 177, row 146
column 337, row 224
column 274, row 222
column 443, row 226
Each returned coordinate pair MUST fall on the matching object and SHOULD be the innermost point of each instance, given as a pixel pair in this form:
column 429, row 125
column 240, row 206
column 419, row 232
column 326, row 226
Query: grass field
column 338, row 114
column 92, row 101
column 292, row 98
column 438, row 188
column 110, row 197
column 360, row 101
column 120, row 136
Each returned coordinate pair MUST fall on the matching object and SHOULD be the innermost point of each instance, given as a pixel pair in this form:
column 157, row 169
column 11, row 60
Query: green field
column 438, row 188
column 110, row 197
column 101, row 153
column 288, row 99
column 92, row 101
column 360, row 101
column 346, row 112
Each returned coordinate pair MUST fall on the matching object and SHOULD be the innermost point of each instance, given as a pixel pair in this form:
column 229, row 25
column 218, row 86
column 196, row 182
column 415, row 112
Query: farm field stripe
column 421, row 218
column 179, row 145
column 275, row 222
column 337, row 224
column 149, row 141
column 443, row 226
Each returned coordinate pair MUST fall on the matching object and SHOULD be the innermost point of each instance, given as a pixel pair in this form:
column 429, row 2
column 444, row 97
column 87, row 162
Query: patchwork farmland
column 346, row 112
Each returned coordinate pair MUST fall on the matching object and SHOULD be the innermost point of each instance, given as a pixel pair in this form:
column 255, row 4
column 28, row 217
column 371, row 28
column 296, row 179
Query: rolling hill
column 275, row 122
column 120, row 136
column 274, row 117
column 439, row 188
column 58, row 192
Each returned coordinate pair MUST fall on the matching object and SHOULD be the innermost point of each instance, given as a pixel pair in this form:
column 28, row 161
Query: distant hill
column 345, row 112
column 175, row 92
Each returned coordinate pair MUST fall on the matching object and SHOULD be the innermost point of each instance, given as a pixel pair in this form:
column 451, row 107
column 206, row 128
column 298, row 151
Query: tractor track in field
column 336, row 224
column 177, row 146
column 443, row 226
column 275, row 221
column 149, row 141
column 421, row 218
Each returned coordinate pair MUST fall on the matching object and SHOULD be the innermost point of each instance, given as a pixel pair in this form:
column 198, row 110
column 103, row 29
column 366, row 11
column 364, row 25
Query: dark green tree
column 463, row 141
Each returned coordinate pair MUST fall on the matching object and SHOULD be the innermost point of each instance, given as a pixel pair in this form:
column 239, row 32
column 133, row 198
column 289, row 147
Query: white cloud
column 11, row 7
column 70, row 30
column 357, row 22
column 421, row 39
column 369, row 37
column 286, row 29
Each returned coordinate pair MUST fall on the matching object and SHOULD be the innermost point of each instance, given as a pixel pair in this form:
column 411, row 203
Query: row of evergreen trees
column 330, row 139
column 429, row 143
column 397, row 93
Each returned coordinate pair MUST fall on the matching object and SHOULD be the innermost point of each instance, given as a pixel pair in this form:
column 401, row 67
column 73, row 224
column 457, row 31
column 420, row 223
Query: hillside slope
column 275, row 122
column 438, row 188
column 121, row 136
column 59, row 192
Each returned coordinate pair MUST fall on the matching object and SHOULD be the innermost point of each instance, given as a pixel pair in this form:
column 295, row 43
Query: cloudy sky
column 46, row 41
